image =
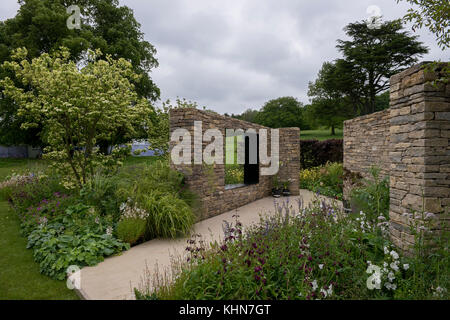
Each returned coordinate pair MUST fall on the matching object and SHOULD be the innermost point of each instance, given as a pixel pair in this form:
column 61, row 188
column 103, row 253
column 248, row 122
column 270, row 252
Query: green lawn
column 19, row 274
column 322, row 134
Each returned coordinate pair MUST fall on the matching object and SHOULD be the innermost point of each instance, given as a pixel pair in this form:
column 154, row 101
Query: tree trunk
column 333, row 130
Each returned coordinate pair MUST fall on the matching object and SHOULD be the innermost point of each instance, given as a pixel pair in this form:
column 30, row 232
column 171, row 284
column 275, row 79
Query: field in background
column 322, row 134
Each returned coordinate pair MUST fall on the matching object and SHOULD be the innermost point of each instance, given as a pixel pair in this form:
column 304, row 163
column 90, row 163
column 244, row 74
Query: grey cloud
column 235, row 54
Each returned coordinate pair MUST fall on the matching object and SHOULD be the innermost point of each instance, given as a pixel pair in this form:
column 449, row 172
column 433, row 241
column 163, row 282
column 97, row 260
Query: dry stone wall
column 208, row 181
column 420, row 150
column 366, row 143
column 410, row 143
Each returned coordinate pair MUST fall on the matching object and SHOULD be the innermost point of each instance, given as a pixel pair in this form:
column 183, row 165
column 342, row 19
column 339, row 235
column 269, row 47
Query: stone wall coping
column 367, row 116
column 219, row 117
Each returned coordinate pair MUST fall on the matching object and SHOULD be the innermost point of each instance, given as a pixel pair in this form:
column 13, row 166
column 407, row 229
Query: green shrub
column 160, row 191
column 234, row 174
column 101, row 192
column 373, row 197
column 79, row 237
column 131, row 230
column 326, row 180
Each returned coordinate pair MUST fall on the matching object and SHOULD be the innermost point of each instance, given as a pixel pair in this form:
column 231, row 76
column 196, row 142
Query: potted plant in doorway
column 286, row 191
column 276, row 190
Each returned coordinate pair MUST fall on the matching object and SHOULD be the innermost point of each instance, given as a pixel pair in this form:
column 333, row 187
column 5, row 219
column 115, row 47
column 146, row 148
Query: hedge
column 314, row 153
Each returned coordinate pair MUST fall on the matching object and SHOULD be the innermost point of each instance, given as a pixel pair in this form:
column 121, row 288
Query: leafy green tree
column 282, row 113
column 159, row 131
column 329, row 107
column 433, row 14
column 372, row 56
column 382, row 101
column 248, row 115
column 76, row 107
column 41, row 27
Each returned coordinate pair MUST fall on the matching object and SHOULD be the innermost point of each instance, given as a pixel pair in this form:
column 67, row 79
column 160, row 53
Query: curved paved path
column 115, row 278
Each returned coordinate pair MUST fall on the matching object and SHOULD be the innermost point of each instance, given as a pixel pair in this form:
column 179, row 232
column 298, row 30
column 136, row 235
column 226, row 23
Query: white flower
column 385, row 264
column 381, row 218
column 394, row 255
column 439, row 292
column 330, row 290
column 314, row 285
column 386, row 250
column 391, row 276
column 390, row 286
column 109, row 231
column 394, row 266
column 324, row 292
column 320, row 266
column 406, row 266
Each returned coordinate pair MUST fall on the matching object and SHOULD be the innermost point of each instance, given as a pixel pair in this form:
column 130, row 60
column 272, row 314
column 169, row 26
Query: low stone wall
column 208, row 181
column 410, row 143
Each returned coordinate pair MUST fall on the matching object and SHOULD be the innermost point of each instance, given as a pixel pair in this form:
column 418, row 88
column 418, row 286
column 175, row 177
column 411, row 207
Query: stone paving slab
column 115, row 278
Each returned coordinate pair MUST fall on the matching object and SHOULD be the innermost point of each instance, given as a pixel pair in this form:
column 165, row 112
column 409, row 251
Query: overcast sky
column 231, row 55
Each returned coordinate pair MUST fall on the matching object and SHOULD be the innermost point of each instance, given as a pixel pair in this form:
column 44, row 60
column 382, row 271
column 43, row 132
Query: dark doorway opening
column 247, row 172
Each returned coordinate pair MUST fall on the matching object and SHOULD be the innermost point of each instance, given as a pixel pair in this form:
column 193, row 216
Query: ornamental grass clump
column 132, row 225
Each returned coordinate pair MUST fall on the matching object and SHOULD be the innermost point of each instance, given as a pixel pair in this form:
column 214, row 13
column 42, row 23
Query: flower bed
column 313, row 253
column 66, row 227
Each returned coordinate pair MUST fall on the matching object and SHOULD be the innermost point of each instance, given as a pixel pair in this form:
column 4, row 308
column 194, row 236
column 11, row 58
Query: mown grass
column 19, row 274
column 322, row 134
column 20, row 278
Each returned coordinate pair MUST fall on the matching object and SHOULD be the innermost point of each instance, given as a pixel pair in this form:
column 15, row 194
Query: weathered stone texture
column 416, row 138
column 208, row 181
column 366, row 143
